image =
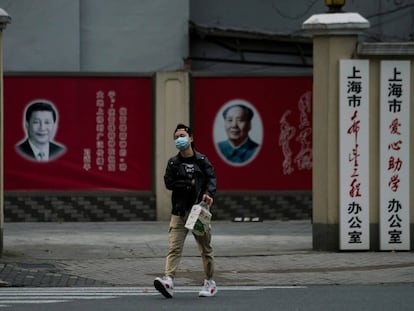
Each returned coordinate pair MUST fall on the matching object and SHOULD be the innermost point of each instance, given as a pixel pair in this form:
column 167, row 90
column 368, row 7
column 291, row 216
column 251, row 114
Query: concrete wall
column 96, row 35
column 152, row 35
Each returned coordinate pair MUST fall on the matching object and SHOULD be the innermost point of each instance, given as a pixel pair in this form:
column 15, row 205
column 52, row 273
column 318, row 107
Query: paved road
column 326, row 297
column 267, row 253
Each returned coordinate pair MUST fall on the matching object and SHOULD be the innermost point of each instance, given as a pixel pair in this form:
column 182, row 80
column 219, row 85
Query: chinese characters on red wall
column 110, row 151
column 289, row 134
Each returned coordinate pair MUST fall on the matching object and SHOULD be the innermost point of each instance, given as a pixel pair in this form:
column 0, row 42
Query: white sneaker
column 209, row 289
column 165, row 286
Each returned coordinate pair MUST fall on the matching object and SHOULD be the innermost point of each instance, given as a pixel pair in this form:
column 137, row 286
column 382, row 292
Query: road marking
column 191, row 289
column 30, row 295
column 38, row 295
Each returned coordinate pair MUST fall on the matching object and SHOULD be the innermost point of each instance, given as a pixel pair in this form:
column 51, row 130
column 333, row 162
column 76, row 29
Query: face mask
column 182, row 143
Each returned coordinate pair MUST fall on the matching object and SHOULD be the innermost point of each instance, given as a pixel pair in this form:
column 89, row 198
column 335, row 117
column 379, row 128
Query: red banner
column 77, row 133
column 256, row 131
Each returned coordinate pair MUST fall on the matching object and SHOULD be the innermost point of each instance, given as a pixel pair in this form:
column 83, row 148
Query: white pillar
column 4, row 20
column 172, row 106
column 335, row 37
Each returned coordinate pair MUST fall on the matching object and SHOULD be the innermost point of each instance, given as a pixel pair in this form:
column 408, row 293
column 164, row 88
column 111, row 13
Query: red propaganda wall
column 281, row 126
column 103, row 125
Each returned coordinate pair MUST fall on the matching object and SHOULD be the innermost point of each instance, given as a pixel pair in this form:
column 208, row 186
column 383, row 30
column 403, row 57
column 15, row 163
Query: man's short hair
column 184, row 127
column 249, row 112
column 40, row 106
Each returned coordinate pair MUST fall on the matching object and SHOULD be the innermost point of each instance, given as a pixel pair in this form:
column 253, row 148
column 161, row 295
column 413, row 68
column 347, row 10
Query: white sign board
column 354, row 154
column 395, row 155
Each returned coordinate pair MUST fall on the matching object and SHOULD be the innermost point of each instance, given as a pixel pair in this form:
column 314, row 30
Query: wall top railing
column 385, row 48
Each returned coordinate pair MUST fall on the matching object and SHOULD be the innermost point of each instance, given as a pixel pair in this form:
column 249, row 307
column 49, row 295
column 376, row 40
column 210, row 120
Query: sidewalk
column 132, row 254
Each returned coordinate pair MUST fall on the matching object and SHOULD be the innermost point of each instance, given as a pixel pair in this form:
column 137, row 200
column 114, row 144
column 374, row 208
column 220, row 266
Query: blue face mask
column 182, row 143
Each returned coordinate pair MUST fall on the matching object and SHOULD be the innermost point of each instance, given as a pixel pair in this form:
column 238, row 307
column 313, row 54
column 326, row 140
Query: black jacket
column 186, row 193
column 55, row 150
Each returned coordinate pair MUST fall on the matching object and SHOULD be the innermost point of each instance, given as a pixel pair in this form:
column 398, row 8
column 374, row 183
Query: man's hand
column 208, row 199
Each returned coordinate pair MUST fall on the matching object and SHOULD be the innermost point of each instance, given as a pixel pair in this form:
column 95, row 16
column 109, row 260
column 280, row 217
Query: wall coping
column 336, row 24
